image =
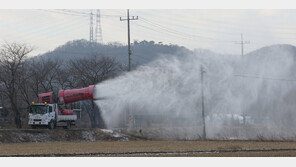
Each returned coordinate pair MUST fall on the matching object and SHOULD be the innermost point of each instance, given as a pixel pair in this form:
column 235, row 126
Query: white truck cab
column 41, row 114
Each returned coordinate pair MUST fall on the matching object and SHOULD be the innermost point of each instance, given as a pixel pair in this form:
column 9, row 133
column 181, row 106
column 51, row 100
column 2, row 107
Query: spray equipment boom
column 68, row 96
column 73, row 95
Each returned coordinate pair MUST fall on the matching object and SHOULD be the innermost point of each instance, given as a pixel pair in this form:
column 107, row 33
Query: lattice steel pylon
column 98, row 30
column 91, row 30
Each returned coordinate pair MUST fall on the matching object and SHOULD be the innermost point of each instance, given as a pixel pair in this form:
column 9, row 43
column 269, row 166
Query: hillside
column 269, row 77
column 142, row 52
column 273, row 61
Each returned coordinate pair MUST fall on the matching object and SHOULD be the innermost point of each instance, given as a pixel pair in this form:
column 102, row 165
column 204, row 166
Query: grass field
column 151, row 146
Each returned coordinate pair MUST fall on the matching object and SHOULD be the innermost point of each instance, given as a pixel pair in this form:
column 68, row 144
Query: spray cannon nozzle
column 101, row 98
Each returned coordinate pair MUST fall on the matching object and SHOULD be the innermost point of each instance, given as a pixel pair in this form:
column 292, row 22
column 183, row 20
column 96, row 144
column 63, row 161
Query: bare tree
column 62, row 77
column 24, row 86
column 90, row 71
column 12, row 62
column 43, row 76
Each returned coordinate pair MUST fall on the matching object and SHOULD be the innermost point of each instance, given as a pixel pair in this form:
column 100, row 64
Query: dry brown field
column 152, row 146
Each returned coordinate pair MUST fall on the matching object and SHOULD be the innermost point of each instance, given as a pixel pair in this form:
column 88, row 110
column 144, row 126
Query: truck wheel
column 68, row 125
column 51, row 125
column 33, row 126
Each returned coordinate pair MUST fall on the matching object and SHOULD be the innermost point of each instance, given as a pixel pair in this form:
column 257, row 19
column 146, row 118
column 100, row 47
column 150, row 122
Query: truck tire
column 33, row 126
column 68, row 126
column 51, row 125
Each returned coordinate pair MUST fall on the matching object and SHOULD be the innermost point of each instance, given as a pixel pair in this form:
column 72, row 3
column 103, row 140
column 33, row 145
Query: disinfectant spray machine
column 51, row 111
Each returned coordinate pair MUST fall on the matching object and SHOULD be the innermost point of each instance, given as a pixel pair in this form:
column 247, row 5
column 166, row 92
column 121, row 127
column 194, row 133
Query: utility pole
column 242, row 42
column 128, row 36
column 204, row 135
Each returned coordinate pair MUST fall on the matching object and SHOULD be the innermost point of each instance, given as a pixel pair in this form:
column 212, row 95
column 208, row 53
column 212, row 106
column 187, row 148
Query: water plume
column 249, row 97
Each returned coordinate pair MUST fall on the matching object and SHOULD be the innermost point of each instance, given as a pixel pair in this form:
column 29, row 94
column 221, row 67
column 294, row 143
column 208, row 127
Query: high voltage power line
column 146, row 23
column 161, row 31
column 179, row 32
column 179, row 35
column 76, row 13
column 62, row 12
column 79, row 13
column 94, row 17
column 166, row 32
column 176, row 20
column 154, row 24
column 168, row 19
column 265, row 78
column 60, row 25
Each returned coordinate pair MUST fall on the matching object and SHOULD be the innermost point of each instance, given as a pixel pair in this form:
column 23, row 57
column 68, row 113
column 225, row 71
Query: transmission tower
column 98, row 30
column 91, row 30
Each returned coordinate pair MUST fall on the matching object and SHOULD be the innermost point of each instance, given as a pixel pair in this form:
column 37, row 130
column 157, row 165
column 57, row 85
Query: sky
column 218, row 30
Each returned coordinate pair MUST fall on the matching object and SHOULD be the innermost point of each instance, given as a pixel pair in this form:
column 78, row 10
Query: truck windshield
column 38, row 109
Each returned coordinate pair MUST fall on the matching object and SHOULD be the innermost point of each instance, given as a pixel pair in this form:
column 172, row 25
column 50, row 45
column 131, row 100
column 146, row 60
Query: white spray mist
column 244, row 97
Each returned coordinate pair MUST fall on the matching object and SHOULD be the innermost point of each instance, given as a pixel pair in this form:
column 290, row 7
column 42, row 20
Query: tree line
column 23, row 77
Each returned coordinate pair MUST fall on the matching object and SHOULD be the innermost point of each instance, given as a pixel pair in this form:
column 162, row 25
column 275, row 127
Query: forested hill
column 142, row 52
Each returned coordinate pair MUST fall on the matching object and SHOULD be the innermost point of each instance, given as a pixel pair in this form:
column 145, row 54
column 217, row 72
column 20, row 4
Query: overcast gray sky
column 216, row 30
